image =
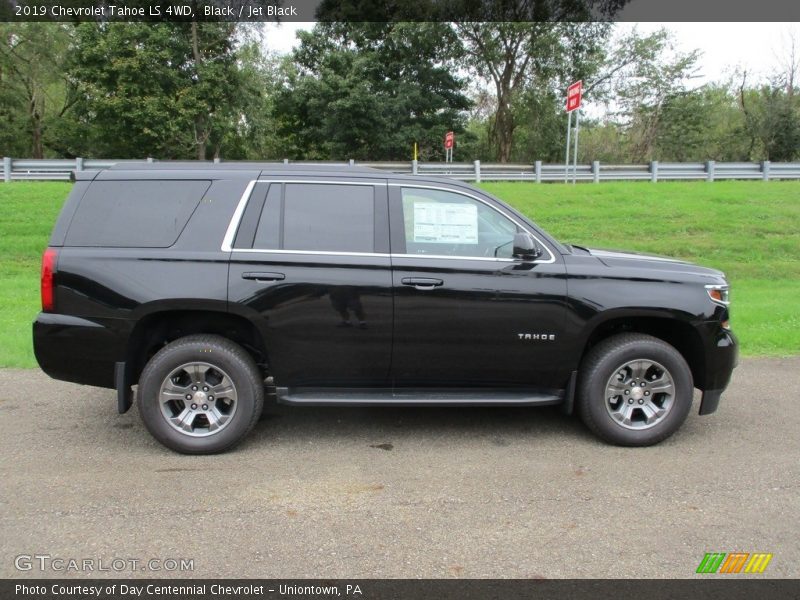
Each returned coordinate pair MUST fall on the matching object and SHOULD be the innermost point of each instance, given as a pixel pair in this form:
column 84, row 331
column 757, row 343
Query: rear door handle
column 264, row 276
column 422, row 283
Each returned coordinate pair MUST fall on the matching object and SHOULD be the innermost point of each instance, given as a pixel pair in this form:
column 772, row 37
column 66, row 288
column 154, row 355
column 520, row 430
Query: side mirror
column 525, row 247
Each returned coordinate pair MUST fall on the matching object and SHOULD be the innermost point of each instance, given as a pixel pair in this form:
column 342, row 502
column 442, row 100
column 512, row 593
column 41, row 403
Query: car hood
column 615, row 258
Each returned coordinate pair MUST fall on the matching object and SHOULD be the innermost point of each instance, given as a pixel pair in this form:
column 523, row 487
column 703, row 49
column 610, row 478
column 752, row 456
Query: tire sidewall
column 169, row 358
column 594, row 391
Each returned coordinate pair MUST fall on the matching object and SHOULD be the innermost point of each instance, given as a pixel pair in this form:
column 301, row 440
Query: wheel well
column 678, row 334
column 155, row 331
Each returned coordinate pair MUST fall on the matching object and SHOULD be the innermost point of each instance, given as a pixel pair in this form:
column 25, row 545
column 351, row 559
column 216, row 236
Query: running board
column 417, row 397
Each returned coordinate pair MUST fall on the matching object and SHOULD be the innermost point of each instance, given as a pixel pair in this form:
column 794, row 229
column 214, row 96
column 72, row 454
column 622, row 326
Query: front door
column 466, row 312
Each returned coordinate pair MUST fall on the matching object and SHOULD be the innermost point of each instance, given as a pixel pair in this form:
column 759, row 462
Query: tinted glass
column 334, row 218
column 268, row 234
column 134, row 214
column 252, row 212
column 450, row 224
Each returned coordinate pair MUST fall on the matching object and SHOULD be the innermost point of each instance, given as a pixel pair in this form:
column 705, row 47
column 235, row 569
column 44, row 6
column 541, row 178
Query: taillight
column 48, row 267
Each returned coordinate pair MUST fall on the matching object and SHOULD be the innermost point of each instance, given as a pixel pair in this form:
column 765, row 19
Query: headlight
column 719, row 294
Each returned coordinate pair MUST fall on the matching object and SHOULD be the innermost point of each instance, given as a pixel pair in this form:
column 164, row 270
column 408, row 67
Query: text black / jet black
column 354, row 286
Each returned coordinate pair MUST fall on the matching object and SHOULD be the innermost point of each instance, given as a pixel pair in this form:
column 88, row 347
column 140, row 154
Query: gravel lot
column 354, row 493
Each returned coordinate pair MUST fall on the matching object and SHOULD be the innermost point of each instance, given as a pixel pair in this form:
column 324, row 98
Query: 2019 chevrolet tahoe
column 202, row 285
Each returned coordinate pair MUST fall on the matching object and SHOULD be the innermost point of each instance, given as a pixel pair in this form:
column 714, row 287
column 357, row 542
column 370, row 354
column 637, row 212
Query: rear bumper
column 722, row 356
column 75, row 349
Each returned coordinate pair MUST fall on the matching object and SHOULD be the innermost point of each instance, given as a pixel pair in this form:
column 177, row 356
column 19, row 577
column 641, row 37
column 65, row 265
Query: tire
column 176, row 401
column 615, row 399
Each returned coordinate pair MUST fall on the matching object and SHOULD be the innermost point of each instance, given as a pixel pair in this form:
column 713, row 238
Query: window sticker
column 445, row 223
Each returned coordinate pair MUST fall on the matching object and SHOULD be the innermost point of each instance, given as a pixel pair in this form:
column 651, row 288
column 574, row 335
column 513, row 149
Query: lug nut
column 211, row 398
column 641, row 401
column 647, row 393
column 188, row 396
column 194, row 388
column 205, row 406
column 194, row 406
column 633, row 383
column 627, row 392
column 205, row 388
column 630, row 400
column 643, row 384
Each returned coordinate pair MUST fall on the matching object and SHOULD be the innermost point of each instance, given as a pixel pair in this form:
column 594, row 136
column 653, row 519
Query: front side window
column 317, row 217
column 450, row 224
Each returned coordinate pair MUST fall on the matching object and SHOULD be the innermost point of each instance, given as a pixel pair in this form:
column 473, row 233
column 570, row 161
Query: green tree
column 33, row 89
column 771, row 122
column 251, row 132
column 642, row 88
column 370, row 90
column 169, row 89
column 601, row 140
column 702, row 124
column 527, row 63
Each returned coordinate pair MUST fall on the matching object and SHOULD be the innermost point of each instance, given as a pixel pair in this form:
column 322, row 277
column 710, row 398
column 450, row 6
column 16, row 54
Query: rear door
column 310, row 264
column 466, row 312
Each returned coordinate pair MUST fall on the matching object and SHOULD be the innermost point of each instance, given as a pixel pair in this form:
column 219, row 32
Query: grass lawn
column 28, row 211
column 751, row 230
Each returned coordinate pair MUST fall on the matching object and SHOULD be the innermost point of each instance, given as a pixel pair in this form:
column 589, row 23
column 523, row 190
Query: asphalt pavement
column 360, row 493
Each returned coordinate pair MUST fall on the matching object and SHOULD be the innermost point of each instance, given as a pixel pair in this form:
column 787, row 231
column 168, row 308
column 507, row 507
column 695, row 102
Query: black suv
column 210, row 285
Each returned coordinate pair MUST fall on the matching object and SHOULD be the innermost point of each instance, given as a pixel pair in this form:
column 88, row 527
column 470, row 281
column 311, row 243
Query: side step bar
column 419, row 397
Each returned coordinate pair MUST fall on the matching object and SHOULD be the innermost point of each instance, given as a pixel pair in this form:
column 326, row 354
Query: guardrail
column 15, row 169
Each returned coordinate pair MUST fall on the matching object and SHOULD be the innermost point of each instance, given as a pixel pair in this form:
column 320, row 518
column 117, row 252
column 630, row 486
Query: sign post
column 574, row 98
column 449, row 142
column 566, row 159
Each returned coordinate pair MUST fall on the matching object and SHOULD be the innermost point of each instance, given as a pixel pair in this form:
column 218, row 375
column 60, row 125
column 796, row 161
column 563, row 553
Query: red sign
column 574, row 94
column 449, row 140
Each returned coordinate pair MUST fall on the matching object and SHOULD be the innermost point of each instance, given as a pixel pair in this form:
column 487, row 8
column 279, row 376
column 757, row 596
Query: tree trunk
column 200, row 139
column 37, row 151
column 503, row 131
column 200, row 133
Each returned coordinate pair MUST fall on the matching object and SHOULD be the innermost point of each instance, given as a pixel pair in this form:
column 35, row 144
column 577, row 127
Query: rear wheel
column 634, row 390
column 201, row 394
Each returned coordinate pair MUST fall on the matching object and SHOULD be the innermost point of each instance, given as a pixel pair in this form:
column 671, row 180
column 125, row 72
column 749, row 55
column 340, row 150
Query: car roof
column 210, row 167
column 138, row 170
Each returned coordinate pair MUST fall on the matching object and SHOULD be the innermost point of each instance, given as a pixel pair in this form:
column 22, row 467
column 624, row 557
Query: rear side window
column 318, row 217
column 134, row 214
column 268, row 234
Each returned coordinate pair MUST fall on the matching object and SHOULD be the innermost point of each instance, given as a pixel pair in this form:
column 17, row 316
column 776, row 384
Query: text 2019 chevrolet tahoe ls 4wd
column 200, row 283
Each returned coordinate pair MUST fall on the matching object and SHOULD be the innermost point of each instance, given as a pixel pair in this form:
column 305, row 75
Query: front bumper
column 722, row 356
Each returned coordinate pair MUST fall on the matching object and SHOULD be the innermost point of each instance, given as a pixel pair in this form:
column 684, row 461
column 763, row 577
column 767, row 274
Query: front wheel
column 200, row 394
column 634, row 390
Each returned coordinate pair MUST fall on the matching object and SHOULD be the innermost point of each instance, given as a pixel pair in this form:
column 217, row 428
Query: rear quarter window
column 134, row 214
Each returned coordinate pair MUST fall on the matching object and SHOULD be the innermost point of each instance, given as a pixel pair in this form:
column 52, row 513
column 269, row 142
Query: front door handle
column 264, row 276
column 422, row 283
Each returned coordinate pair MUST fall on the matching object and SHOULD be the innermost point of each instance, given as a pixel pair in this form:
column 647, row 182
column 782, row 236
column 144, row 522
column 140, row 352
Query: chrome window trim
column 230, row 233
column 372, row 254
column 309, row 252
column 451, row 257
column 552, row 258
column 325, row 181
